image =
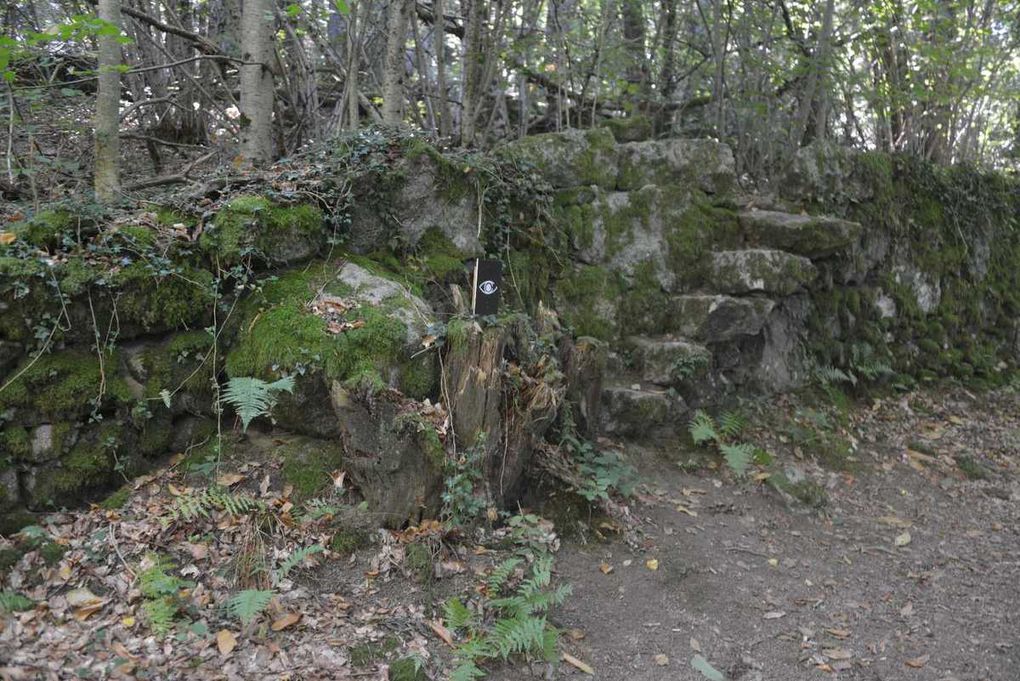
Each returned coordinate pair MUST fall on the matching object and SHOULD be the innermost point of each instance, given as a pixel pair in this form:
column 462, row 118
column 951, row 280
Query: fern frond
column 466, row 670
column 731, row 423
column 498, row 579
column 518, row 635
column 828, row 375
column 738, row 457
column 457, row 615
column 295, row 559
column 11, row 601
column 248, row 604
column 702, row 428
column 159, row 614
column 252, row 397
column 189, row 507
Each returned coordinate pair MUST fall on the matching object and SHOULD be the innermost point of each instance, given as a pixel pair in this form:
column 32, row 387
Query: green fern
column 189, row 507
column 249, row 604
column 731, row 424
column 501, row 574
column 738, row 456
column 518, row 635
column 295, row 559
column 253, row 397
column 702, row 428
column 466, row 670
column 830, row 375
column 11, row 601
column 458, row 615
column 159, row 614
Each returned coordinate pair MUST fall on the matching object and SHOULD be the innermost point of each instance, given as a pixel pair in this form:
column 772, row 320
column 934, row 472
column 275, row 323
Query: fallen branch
column 180, row 178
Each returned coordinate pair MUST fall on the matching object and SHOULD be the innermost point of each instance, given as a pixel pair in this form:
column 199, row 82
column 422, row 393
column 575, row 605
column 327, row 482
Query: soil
column 910, row 571
column 904, row 565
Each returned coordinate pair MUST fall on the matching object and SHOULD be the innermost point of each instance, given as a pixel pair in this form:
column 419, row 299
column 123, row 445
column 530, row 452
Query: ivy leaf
column 702, row 666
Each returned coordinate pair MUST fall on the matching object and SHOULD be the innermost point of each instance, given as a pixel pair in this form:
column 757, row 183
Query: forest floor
column 905, row 564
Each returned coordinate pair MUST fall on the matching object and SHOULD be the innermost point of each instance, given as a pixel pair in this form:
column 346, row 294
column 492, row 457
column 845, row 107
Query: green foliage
column 602, row 471
column 11, row 601
column 511, row 621
column 463, row 502
column 248, row 604
column 295, row 559
column 161, row 590
column 253, row 397
column 191, row 506
column 705, row 431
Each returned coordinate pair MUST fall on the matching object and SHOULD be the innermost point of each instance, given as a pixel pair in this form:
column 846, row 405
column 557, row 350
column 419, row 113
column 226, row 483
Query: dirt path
column 911, row 571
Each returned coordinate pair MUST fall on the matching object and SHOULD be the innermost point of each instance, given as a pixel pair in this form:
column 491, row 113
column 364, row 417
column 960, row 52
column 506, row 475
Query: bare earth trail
column 911, row 571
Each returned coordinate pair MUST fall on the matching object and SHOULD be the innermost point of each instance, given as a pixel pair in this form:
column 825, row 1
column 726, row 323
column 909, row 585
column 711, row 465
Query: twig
column 180, row 178
column 116, row 549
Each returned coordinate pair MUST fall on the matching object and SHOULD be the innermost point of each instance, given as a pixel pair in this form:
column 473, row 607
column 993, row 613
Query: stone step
column 813, row 236
column 642, row 412
column 666, row 361
column 711, row 318
column 757, row 270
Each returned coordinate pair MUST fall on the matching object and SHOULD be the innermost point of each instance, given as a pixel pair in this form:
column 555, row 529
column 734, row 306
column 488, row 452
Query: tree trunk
column 393, row 68
column 471, row 97
column 439, row 44
column 257, row 83
column 634, row 44
column 107, row 170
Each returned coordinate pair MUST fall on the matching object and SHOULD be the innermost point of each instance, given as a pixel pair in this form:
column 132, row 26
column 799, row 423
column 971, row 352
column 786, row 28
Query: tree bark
column 393, row 68
column 256, row 83
column 473, row 67
column 107, row 170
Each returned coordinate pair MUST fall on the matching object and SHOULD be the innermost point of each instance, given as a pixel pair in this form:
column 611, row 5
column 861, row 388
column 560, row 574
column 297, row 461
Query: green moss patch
column 254, row 226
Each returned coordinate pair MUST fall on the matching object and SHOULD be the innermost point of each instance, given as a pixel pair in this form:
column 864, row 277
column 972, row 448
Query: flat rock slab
column 759, row 270
column 812, row 236
column 633, row 411
column 667, row 361
column 702, row 163
column 718, row 318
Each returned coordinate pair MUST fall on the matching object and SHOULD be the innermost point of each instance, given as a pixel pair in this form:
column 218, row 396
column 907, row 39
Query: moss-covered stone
column 117, row 500
column 570, row 159
column 348, row 540
column 407, row 669
column 632, row 128
column 63, row 385
column 587, row 299
column 254, row 226
column 306, row 464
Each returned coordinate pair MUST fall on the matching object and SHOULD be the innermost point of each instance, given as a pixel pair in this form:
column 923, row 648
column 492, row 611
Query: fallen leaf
column 442, row 632
column 895, row 521
column 918, row 662
column 661, row 660
column 228, row 479
column 652, row 564
column 605, row 568
column 902, row 539
column 225, row 641
column 774, row 615
column 837, row 653
column 576, row 663
column 7, row 238
column 287, row 620
column 838, row 633
column 907, row 610
column 575, row 634
column 702, row 666
column 695, row 645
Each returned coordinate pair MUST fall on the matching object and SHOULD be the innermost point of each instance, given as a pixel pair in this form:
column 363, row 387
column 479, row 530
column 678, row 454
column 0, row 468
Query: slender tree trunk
column 257, row 83
column 473, row 67
column 107, row 170
column 637, row 58
column 439, row 44
column 393, row 68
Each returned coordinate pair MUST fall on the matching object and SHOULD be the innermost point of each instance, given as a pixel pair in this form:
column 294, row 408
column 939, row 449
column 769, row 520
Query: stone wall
column 641, row 283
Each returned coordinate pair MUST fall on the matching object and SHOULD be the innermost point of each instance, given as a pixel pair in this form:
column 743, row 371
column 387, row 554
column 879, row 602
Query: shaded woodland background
column 193, row 83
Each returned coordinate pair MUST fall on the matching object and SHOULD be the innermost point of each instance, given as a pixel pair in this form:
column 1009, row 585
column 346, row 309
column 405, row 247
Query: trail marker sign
column 486, row 283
